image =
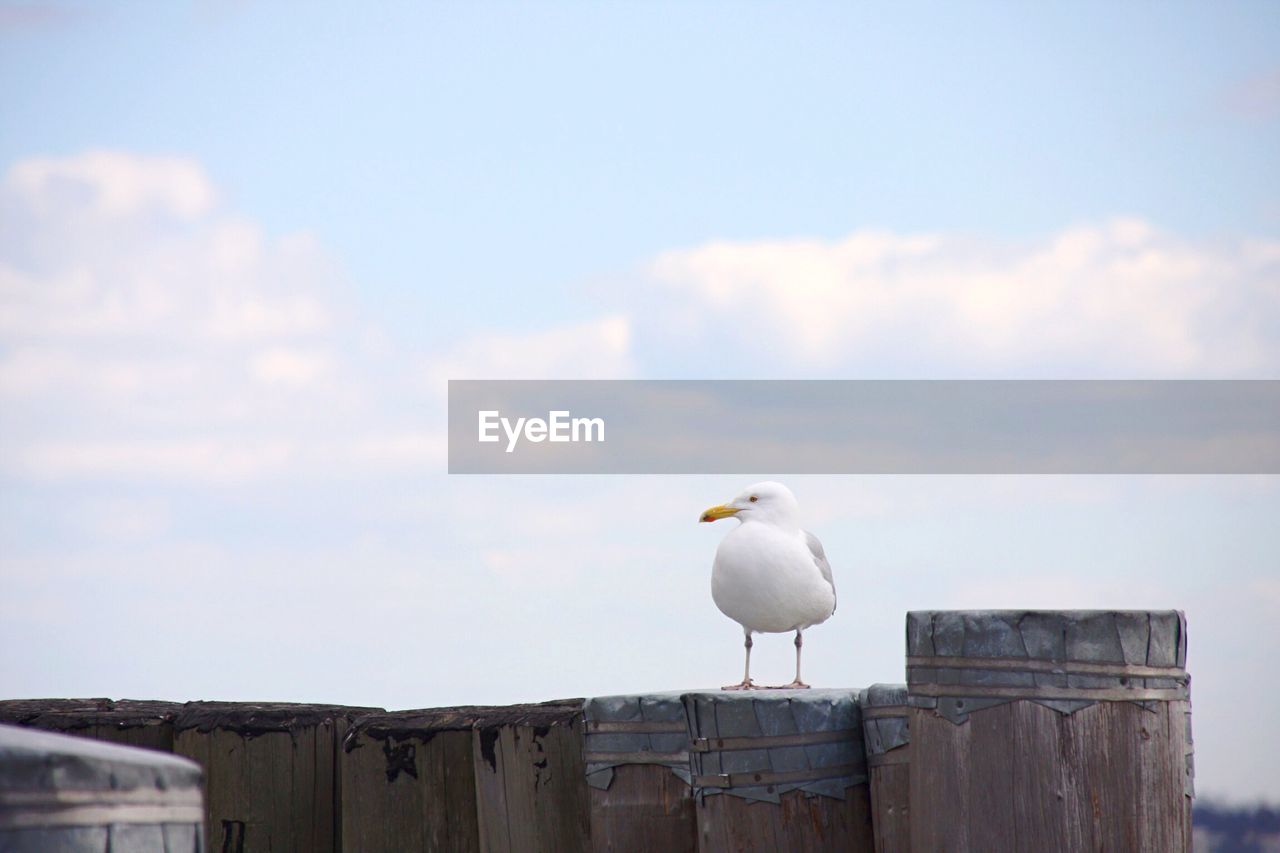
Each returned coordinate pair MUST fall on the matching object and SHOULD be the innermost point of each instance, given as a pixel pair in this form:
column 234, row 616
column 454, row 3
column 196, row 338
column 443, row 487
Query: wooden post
column 471, row 778
column 129, row 722
column 886, row 733
column 407, row 781
column 637, row 763
column 1048, row 730
column 529, row 778
column 779, row 770
column 269, row 772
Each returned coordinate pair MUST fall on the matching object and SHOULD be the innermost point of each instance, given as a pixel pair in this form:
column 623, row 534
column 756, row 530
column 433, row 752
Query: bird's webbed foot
column 745, row 684
column 795, row 685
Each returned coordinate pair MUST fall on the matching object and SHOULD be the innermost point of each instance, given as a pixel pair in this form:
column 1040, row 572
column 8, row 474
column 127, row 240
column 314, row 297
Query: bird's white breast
column 765, row 579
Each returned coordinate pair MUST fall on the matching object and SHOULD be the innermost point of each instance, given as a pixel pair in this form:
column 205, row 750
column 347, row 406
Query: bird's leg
column 747, row 683
column 797, row 684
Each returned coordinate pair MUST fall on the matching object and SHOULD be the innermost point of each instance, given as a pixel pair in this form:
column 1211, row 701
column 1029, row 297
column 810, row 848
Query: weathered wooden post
column 1049, row 730
column 269, row 772
column 127, row 721
column 529, row 778
column 507, row 778
column 406, row 781
column 61, row 793
column 637, row 765
column 779, row 770
column 886, row 732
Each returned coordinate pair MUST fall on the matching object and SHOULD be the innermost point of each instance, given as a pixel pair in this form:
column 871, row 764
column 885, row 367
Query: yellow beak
column 718, row 512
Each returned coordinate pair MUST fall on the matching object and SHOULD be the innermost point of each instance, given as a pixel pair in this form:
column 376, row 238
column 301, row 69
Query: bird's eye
column 754, row 498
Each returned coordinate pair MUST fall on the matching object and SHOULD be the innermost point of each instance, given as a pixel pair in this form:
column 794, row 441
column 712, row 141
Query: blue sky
column 514, row 152
column 243, row 245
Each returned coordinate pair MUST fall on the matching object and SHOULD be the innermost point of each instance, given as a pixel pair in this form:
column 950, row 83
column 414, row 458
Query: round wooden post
column 269, row 772
column 530, row 794
column 484, row 778
column 779, row 770
column 406, row 781
column 59, row 792
column 886, row 732
column 1049, row 730
column 637, row 765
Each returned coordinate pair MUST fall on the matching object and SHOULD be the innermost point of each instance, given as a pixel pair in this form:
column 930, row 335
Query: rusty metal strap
column 1091, row 694
column 882, row 711
column 1055, row 667
column 770, row 777
column 729, row 744
column 897, row 755
column 642, row 757
column 637, row 727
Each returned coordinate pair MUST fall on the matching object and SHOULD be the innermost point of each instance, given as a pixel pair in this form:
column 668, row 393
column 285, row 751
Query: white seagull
column 769, row 575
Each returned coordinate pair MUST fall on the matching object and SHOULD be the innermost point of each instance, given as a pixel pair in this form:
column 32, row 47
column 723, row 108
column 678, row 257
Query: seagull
column 769, row 575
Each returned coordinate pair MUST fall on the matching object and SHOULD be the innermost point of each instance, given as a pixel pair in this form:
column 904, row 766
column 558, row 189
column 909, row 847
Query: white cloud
column 104, row 277
column 147, row 333
column 288, row 366
column 1117, row 299
column 112, row 184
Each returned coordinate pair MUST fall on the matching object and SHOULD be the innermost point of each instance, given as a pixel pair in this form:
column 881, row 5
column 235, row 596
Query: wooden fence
column 1015, row 730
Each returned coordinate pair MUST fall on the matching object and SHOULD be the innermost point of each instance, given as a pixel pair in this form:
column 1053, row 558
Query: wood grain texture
column 270, row 791
column 891, row 806
column 646, row 807
column 158, row 737
column 939, row 784
column 801, row 822
column 1020, row 776
column 144, row 724
column 410, row 793
column 531, row 792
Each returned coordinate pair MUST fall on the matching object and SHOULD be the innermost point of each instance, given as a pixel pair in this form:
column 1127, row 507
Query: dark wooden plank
column 131, row 722
column 1133, row 763
column 1046, row 804
column 492, row 811
column 564, row 816
column 412, row 790
column 530, row 784
column 990, row 781
column 1164, row 813
column 158, row 737
column 269, row 772
column 891, row 806
column 939, row 787
column 1023, row 776
column 731, row 823
column 800, row 822
column 455, row 775
column 646, row 807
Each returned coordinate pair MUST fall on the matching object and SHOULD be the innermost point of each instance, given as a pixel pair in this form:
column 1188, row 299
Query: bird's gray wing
column 820, row 557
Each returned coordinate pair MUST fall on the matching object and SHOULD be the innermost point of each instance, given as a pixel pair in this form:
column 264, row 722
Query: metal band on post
column 770, row 777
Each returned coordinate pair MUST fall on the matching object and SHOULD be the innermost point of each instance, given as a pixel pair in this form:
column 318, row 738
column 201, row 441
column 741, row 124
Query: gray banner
column 863, row 427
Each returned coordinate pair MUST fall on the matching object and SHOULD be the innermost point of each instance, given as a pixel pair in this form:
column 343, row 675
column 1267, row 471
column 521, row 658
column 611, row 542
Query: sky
column 243, row 246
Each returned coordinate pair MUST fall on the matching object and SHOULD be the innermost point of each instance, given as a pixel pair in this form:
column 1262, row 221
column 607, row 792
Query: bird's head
column 768, row 501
